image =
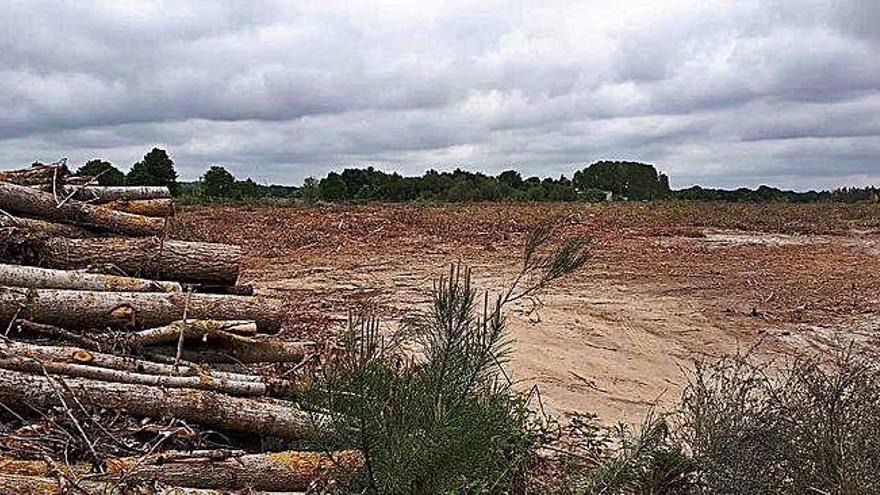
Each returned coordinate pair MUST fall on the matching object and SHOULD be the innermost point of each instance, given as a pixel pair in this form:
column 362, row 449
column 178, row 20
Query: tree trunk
column 275, row 471
column 92, row 309
column 193, row 329
column 47, row 278
column 106, row 194
column 35, row 175
column 229, row 348
column 43, row 227
column 208, row 408
column 163, row 207
column 203, row 382
column 41, row 204
column 68, row 354
column 189, row 262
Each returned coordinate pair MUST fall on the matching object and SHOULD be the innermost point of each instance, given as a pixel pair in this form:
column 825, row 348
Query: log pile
column 120, row 347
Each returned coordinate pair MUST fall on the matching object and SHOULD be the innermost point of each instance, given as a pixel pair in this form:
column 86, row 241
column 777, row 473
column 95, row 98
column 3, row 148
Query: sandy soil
column 665, row 287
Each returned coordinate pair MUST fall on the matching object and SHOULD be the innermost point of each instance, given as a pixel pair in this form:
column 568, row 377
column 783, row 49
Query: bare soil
column 669, row 283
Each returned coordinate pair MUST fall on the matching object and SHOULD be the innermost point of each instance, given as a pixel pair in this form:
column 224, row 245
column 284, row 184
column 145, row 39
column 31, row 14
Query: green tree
column 333, row 188
column 309, row 192
column 156, row 169
column 511, row 178
column 106, row 173
column 217, row 182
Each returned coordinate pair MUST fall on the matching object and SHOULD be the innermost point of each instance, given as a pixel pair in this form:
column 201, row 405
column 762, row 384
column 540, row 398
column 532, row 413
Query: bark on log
column 35, row 175
column 192, row 329
column 279, row 471
column 189, row 262
column 208, row 408
column 147, row 207
column 43, row 227
column 236, row 290
column 106, row 194
column 68, row 354
column 92, row 309
column 47, row 278
column 276, row 471
column 21, row 199
column 230, row 387
column 229, row 348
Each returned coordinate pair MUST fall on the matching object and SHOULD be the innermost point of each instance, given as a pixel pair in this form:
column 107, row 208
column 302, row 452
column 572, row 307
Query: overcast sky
column 716, row 93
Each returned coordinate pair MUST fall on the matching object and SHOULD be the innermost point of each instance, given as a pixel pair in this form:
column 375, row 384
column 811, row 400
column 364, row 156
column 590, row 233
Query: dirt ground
column 669, row 283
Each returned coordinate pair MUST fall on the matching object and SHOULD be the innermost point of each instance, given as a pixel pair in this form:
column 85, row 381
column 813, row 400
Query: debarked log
column 33, row 202
column 74, row 309
column 273, row 418
column 148, row 257
column 47, row 278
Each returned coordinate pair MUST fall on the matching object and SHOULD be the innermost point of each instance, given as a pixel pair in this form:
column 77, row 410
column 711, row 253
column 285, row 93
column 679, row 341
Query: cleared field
column 669, row 282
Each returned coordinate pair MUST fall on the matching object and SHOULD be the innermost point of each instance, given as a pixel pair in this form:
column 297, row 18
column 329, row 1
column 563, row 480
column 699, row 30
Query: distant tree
column 511, row 178
column 106, row 173
column 633, row 180
column 247, row 189
column 218, row 182
column 156, row 169
column 333, row 188
column 309, row 192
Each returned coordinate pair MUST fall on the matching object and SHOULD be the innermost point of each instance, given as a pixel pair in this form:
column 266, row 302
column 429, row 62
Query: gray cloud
column 784, row 92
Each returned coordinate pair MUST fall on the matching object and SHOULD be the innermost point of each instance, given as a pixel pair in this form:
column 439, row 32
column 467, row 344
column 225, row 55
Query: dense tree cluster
column 601, row 181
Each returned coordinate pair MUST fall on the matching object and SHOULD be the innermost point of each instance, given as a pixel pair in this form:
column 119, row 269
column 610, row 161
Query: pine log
column 230, row 387
column 163, row 207
column 35, row 175
column 107, row 194
column 42, row 227
column 275, row 471
column 193, row 329
column 47, row 278
column 75, row 355
column 148, row 257
column 28, row 201
column 211, row 409
column 91, row 309
column 278, row 471
column 229, row 348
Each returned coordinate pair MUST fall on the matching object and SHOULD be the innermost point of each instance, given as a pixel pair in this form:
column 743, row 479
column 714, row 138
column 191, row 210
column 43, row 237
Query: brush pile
column 134, row 363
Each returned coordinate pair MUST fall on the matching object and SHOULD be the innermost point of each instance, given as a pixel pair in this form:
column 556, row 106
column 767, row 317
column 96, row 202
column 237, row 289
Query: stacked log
column 102, row 310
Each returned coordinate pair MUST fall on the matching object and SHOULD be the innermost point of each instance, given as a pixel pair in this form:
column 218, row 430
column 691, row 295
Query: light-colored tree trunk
column 211, row 409
column 33, row 202
column 92, row 309
column 148, row 257
column 47, row 278
column 106, row 194
column 148, row 207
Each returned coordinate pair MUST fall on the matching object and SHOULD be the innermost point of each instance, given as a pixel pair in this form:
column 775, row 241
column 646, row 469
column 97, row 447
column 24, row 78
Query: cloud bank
column 717, row 93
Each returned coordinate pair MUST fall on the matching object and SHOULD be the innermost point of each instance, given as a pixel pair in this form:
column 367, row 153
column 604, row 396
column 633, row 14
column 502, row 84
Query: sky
column 717, row 93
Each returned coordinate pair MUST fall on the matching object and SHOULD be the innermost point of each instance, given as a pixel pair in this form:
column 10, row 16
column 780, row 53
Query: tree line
column 601, row 181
